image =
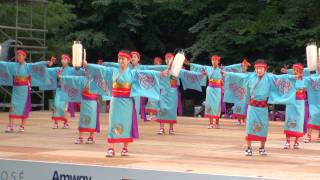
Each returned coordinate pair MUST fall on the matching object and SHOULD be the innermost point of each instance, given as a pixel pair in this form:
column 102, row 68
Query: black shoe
column 248, row 152
column 263, row 152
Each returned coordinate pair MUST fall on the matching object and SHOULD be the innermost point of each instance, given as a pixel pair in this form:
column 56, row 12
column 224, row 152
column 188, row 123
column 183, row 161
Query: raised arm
column 236, row 87
column 39, row 73
column 111, row 64
column 146, row 83
column 101, row 79
column 5, row 74
column 53, row 78
column 282, row 89
column 72, row 87
column 10, row 66
column 154, row 67
column 191, row 80
column 198, row 68
column 233, row 68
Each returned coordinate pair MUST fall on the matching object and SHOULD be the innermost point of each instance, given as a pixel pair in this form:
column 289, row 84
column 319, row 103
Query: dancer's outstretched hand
column 85, row 64
column 285, row 69
column 49, row 63
column 53, row 59
column 186, row 62
column 164, row 73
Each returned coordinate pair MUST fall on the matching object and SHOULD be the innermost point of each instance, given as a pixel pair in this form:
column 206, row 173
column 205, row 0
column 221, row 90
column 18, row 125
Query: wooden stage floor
column 194, row 148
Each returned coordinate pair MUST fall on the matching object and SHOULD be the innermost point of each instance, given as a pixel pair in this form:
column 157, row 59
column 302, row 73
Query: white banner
column 32, row 170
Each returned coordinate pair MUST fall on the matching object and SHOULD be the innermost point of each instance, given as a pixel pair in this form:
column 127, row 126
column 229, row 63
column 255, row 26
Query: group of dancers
column 127, row 84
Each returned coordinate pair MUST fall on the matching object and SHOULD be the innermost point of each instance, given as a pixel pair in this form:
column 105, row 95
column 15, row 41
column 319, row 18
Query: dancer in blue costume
column 24, row 75
column 134, row 65
column 167, row 113
column 295, row 113
column 240, row 109
column 126, row 84
column 213, row 92
column 152, row 106
column 80, row 89
column 261, row 88
column 60, row 111
column 306, row 73
column 168, row 105
column 313, row 88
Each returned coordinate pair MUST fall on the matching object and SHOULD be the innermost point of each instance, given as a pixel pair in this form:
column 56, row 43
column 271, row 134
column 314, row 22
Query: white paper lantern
column 77, row 54
column 312, row 56
column 177, row 64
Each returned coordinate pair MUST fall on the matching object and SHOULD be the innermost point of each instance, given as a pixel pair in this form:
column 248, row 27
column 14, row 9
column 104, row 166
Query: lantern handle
column 84, row 55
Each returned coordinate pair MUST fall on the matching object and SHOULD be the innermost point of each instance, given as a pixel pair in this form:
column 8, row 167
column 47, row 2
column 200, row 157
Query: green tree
column 270, row 29
column 149, row 26
column 275, row 30
column 59, row 16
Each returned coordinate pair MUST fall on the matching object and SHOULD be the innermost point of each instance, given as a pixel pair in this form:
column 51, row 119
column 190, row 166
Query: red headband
column 215, row 58
column 135, row 53
column 65, row 56
column 260, row 65
column 157, row 59
column 298, row 66
column 22, row 52
column 168, row 55
column 123, row 54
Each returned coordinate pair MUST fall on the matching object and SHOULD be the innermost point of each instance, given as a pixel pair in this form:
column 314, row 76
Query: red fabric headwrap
column 66, row 56
column 215, row 58
column 260, row 65
column 123, row 54
column 22, row 52
column 135, row 53
column 168, row 55
column 298, row 66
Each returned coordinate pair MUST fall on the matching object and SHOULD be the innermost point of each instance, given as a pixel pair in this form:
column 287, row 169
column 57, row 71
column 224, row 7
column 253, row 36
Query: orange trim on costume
column 87, row 129
column 120, row 140
column 121, row 85
column 166, row 121
column 21, row 80
column 311, row 126
column 293, row 133
column 56, row 118
column 173, row 83
column 301, row 94
column 251, row 137
column 215, row 82
column 121, row 89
